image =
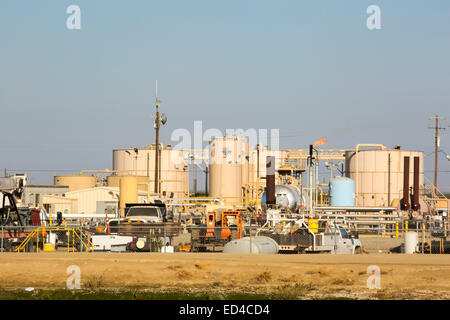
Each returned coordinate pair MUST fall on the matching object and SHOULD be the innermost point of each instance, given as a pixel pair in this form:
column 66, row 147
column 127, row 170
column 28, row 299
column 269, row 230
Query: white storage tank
column 411, row 242
column 141, row 162
column 378, row 175
column 228, row 165
column 258, row 157
column 257, row 245
column 76, row 181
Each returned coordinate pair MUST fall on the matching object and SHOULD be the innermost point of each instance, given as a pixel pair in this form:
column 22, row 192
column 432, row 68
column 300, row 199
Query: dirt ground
column 286, row 276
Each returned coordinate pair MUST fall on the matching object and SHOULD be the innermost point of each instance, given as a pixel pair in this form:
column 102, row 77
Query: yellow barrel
column 128, row 192
column 313, row 224
column 48, row 247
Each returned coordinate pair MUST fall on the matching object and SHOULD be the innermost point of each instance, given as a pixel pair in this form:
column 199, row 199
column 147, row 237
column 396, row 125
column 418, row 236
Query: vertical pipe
column 416, row 204
column 206, row 180
column 389, row 180
column 311, row 151
column 405, row 183
column 148, row 164
column 257, row 161
column 270, row 181
column 396, row 229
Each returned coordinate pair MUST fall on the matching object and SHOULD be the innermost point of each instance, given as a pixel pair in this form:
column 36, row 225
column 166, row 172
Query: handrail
column 435, row 188
column 27, row 239
column 88, row 246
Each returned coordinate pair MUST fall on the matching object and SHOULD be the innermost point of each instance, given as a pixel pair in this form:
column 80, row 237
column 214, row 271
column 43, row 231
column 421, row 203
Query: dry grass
column 94, row 282
column 290, row 279
column 293, row 291
column 264, row 277
column 325, row 272
column 202, row 265
column 174, row 267
column 340, row 281
column 184, row 275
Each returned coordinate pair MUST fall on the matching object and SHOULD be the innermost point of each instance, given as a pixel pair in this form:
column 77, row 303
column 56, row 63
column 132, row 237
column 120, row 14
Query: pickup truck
column 141, row 213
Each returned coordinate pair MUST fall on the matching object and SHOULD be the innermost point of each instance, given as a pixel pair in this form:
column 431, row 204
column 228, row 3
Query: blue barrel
column 342, row 192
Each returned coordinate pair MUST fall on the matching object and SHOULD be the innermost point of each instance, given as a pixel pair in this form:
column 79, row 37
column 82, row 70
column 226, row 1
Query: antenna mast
column 157, row 122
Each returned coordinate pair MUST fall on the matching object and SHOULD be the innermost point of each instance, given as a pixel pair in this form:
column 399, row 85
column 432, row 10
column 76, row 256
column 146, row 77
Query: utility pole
column 436, row 118
column 157, row 122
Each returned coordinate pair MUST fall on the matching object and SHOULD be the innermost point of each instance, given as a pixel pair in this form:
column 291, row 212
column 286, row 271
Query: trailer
column 298, row 237
column 104, row 242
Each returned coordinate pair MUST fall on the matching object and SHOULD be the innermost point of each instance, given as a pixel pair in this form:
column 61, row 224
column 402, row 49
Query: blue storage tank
column 342, row 192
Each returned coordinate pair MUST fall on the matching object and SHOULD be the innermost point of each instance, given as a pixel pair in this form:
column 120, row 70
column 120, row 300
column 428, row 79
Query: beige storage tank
column 228, row 167
column 143, row 181
column 76, row 181
column 174, row 177
column 378, row 175
column 258, row 157
column 128, row 192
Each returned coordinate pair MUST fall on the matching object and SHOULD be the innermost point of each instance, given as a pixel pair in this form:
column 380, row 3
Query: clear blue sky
column 309, row 68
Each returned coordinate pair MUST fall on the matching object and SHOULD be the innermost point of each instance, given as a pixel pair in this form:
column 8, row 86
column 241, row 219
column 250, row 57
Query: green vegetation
column 38, row 294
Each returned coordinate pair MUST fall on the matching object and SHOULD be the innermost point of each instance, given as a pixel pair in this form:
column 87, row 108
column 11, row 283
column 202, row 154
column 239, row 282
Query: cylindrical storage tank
column 174, row 171
column 227, row 156
column 378, row 175
column 143, row 182
column 411, row 242
column 258, row 156
column 128, row 192
column 342, row 192
column 76, row 181
column 287, row 196
column 258, row 245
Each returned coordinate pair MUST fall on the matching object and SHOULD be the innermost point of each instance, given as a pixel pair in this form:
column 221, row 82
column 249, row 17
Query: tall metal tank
column 287, row 196
column 227, row 167
column 140, row 162
column 128, row 192
column 378, row 175
column 256, row 245
column 76, row 181
column 258, row 156
column 143, row 181
column 342, row 192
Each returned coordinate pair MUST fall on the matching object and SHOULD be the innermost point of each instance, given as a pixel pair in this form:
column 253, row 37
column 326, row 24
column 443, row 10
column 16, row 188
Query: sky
column 311, row 69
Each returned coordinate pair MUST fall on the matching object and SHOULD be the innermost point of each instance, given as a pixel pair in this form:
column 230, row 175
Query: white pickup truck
column 337, row 240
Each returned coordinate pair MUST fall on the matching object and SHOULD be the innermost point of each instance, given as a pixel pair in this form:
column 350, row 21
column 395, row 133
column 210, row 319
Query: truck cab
column 141, row 213
column 340, row 241
column 145, row 214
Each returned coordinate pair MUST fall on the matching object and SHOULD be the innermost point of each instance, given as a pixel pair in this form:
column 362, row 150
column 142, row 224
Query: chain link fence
column 432, row 237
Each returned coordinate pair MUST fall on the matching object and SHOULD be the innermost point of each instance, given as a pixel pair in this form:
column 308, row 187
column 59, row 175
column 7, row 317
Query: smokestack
column 405, row 183
column 416, row 204
column 270, row 181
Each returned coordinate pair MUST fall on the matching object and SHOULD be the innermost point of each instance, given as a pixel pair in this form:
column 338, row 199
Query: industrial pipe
column 270, row 181
column 416, row 204
column 356, row 209
column 405, row 205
